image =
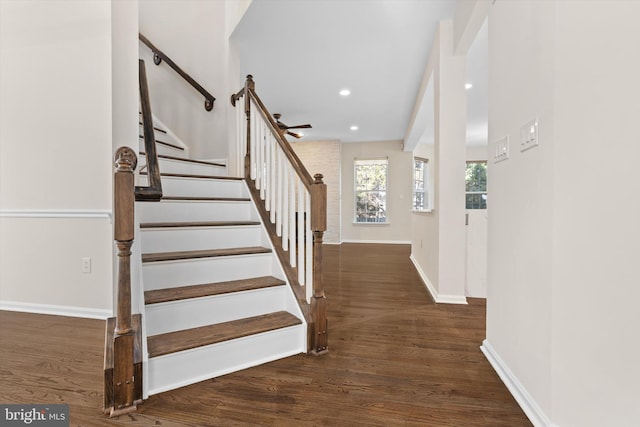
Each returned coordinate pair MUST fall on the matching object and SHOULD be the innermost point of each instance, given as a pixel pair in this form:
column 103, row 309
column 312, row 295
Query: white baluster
column 301, row 251
column 267, row 177
column 286, row 196
column 292, row 216
column 239, row 140
column 279, row 192
column 273, row 168
column 260, row 164
column 252, row 144
column 308, row 247
column 255, row 145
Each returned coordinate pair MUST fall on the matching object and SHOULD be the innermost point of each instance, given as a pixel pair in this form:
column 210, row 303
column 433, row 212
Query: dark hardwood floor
column 395, row 359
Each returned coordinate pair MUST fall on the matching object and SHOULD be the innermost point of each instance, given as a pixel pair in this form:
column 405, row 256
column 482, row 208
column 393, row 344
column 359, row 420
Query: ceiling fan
column 285, row 129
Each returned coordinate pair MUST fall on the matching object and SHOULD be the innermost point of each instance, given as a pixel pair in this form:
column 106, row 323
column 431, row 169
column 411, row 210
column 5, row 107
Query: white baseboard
column 57, row 310
column 438, row 298
column 531, row 409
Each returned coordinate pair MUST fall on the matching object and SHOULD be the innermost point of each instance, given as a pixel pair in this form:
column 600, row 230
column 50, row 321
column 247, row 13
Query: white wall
column 324, row 157
column 193, row 34
column 125, row 97
column 55, row 155
column 234, row 10
column 424, row 227
column 563, row 232
column 596, row 239
column 399, row 195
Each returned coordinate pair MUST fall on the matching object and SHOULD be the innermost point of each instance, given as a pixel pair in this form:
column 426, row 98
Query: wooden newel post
column 124, row 201
column 249, row 86
column 123, row 345
column 319, row 342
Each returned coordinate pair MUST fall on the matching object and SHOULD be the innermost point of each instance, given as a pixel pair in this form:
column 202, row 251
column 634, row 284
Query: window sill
column 422, row 210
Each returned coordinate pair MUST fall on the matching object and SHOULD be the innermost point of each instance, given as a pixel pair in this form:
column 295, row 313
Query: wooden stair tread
column 173, row 342
column 182, row 159
column 190, row 175
column 209, row 289
column 203, row 253
column 197, row 224
column 206, row 199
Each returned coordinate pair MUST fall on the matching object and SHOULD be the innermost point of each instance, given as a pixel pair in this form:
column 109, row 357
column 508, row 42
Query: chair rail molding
column 56, row 213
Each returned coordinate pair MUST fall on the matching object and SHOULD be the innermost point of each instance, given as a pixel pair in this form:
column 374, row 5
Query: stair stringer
column 292, row 305
column 137, row 292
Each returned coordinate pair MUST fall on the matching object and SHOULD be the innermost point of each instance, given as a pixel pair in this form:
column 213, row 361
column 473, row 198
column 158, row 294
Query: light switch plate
column 501, row 149
column 529, row 135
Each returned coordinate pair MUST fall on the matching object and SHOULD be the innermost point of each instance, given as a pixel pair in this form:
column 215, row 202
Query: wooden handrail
column 313, row 304
column 153, row 192
column 159, row 56
column 293, row 158
column 295, row 161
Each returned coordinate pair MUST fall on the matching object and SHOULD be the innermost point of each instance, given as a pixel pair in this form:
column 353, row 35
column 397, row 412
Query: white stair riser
column 196, row 312
column 177, row 166
column 194, row 211
column 195, row 187
column 196, row 238
column 188, row 367
column 167, row 274
column 165, row 150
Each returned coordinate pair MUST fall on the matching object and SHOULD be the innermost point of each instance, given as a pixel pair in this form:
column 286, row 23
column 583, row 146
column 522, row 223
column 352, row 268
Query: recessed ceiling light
column 345, row 92
column 468, row 86
column 354, row 127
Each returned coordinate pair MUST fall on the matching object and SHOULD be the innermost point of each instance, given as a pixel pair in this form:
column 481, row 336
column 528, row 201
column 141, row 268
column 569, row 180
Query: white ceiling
column 303, row 52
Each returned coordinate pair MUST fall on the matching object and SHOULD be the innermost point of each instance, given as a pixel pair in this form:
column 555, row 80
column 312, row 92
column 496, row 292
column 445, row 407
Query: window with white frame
column 371, row 177
column 420, row 184
column 476, row 185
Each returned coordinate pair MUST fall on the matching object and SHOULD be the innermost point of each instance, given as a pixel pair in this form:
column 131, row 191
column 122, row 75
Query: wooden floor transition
column 395, row 359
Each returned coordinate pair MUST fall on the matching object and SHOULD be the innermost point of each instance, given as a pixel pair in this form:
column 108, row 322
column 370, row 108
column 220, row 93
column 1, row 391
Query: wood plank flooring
column 395, row 359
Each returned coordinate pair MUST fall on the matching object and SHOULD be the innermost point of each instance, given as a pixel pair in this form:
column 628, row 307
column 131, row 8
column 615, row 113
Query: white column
column 450, row 129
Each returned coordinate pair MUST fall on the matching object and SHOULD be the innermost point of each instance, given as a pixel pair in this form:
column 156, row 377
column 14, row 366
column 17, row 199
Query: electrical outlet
column 529, row 135
column 86, row 265
column 501, row 149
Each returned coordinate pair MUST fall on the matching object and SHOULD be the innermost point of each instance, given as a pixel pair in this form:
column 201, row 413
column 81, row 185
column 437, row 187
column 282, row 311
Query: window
column 420, row 185
column 476, row 185
column 371, row 190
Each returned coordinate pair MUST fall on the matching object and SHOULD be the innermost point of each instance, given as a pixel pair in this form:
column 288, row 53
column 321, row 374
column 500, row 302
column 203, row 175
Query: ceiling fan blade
column 295, row 135
column 307, row 126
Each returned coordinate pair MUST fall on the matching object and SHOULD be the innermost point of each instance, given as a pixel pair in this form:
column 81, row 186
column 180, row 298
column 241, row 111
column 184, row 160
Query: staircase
column 227, row 271
column 216, row 299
